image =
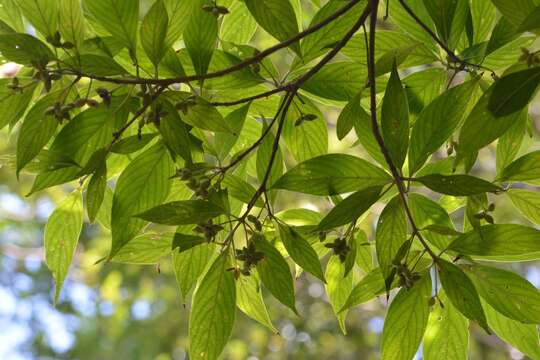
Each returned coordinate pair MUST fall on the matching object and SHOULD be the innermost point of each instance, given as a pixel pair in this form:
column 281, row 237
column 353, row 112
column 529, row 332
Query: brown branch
column 377, row 134
column 241, row 65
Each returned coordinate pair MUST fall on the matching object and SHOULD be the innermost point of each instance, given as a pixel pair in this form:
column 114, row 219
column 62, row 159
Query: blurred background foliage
column 118, row 311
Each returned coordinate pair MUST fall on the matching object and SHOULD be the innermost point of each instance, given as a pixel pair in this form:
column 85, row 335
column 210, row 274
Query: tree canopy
column 186, row 127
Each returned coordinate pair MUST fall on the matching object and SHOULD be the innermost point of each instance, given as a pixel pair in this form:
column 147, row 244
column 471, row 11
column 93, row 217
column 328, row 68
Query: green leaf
column 395, row 119
column 507, row 292
column 523, row 337
column 527, row 202
column 200, row 37
column 71, row 22
column 371, row 286
column 24, row 49
column 142, row 185
column 447, row 332
column 224, row 142
column 531, row 22
column 61, row 235
column 43, row 14
column 204, row 116
column 96, row 191
column 437, row 122
column 96, row 65
column 350, row 209
column 154, row 31
column 277, row 17
column 179, row 15
column 524, row 168
column 510, row 242
column 442, row 12
column 213, row 311
column 332, row 174
column 510, row 142
column 131, row 144
column 119, row 17
column 513, row 92
column 275, row 273
column 264, row 155
column 516, row 11
column 337, row 81
column 190, row 265
column 240, row 189
column 238, row 27
column 145, row 249
column 338, row 288
column 181, row 212
column 184, row 242
column 348, row 116
column 13, row 105
column 461, row 292
column 249, row 299
column 390, row 235
column 406, row 321
column 175, row 133
column 457, row 185
column 300, row 251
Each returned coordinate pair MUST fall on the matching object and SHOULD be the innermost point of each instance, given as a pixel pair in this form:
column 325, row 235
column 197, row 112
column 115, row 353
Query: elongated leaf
column 213, row 311
column 390, row 235
column 277, row 17
column 514, row 91
column 43, row 14
column 96, row 192
column 154, row 31
column 264, row 156
column 184, row 242
column 61, row 236
column 531, row 22
column 275, row 273
column 523, row 337
column 510, row 142
column 371, row 286
column 181, row 212
column 190, row 265
column 406, row 321
column 350, row 209
column 395, row 119
column 461, row 292
column 507, row 292
column 240, row 189
column 447, row 332
column 437, row 122
column 527, row 202
column 337, row 81
column 204, row 116
column 524, row 168
column 238, row 27
column 515, row 12
column 142, row 185
column 145, row 249
column 338, row 288
column 96, row 65
column 224, row 142
column 348, row 116
column 13, row 106
column 457, row 185
column 249, row 299
column 500, row 241
column 118, row 17
column 179, row 15
column 200, row 36
column 24, row 49
column 71, row 22
column 132, row 144
column 332, row 174
column 175, row 133
column 300, row 251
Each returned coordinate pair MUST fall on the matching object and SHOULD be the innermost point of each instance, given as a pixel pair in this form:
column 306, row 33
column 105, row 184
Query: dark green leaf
column 184, row 242
column 531, row 22
column 96, row 191
column 457, row 185
column 24, row 49
column 514, row 91
column 132, row 144
column 181, row 212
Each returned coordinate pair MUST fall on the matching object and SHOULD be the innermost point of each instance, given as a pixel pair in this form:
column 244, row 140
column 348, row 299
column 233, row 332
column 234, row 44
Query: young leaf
column 527, row 202
column 181, row 212
column 406, row 321
column 338, row 288
column 390, row 235
column 144, row 183
column 200, row 36
column 524, row 168
column 395, row 119
column 457, row 185
column 510, row 242
column 61, row 235
column 190, row 265
column 119, row 17
column 154, row 31
column 513, row 92
column 350, row 209
column 96, row 191
column 447, row 332
column 275, row 273
column 249, row 299
column 461, row 292
column 300, row 251
column 507, row 292
column 523, row 337
column 277, row 17
column 213, row 311
column 437, row 122
column 332, row 174
column 145, row 249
